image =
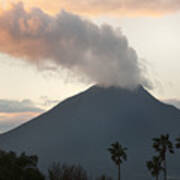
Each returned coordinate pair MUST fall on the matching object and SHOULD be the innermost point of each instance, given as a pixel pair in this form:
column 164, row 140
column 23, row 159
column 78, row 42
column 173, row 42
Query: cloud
column 175, row 102
column 46, row 102
column 106, row 7
column 12, row 106
column 14, row 113
column 97, row 54
column 11, row 120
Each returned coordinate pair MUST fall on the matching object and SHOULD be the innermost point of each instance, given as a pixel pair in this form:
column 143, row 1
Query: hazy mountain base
column 80, row 129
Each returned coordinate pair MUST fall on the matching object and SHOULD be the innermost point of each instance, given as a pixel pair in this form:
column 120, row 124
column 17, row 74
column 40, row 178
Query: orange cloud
column 103, row 7
column 9, row 121
column 17, row 115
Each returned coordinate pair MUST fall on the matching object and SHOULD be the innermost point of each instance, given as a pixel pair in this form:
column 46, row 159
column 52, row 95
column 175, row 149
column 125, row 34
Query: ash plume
column 99, row 54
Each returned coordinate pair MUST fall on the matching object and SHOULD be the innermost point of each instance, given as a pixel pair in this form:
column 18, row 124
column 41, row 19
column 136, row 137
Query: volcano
column 80, row 129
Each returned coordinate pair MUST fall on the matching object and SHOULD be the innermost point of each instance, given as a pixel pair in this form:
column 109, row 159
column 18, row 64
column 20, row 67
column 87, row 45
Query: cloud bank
column 12, row 106
column 14, row 113
column 11, row 120
column 98, row 54
column 110, row 7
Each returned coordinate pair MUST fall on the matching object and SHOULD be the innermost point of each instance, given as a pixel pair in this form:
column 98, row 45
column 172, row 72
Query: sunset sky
column 29, row 85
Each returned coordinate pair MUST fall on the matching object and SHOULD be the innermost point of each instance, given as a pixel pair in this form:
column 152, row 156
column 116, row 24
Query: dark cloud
column 12, row 106
column 13, row 113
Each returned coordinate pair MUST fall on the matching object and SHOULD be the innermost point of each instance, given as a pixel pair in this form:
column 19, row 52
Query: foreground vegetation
column 24, row 167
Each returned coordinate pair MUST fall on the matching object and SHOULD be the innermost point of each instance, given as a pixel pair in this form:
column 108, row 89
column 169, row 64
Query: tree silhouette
column 22, row 167
column 118, row 155
column 67, row 172
column 154, row 166
column 104, row 177
column 163, row 145
column 178, row 143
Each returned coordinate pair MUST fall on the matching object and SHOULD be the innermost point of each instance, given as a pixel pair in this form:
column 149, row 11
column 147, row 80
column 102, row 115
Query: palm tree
column 154, row 166
column 118, row 155
column 163, row 145
column 178, row 143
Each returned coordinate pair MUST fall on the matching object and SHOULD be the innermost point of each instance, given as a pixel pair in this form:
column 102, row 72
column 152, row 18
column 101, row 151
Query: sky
column 61, row 48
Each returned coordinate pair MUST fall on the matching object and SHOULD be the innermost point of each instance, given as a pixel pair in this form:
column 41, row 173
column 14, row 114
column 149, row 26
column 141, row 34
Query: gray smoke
column 99, row 54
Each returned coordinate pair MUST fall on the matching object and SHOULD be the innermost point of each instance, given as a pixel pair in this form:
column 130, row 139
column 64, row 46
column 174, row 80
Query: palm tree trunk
column 119, row 172
column 165, row 169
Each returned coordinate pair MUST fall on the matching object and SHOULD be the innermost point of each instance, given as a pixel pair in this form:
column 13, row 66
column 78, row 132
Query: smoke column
column 99, row 54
